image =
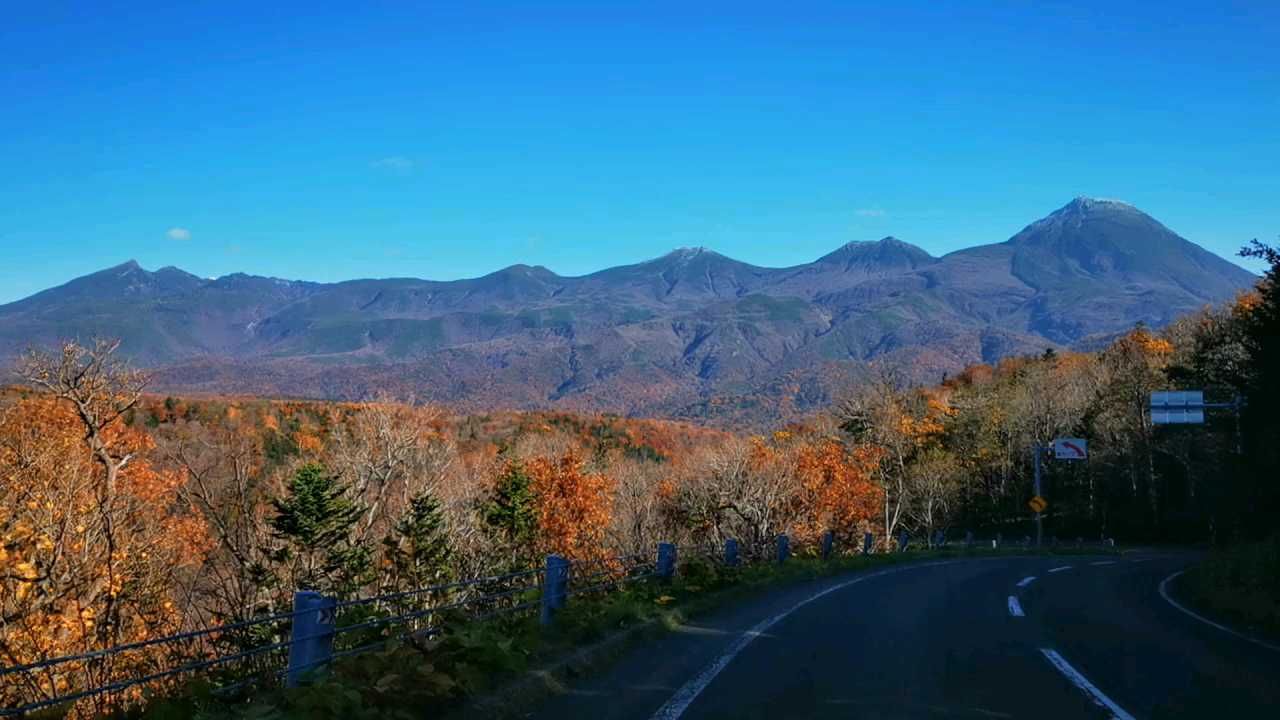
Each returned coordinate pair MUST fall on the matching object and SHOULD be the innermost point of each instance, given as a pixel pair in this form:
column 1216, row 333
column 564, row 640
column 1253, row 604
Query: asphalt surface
column 944, row 641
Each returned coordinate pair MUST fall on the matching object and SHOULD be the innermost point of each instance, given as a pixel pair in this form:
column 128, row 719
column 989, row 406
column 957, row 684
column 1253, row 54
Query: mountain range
column 692, row 333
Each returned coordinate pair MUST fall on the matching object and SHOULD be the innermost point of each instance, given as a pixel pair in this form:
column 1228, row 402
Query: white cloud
column 178, row 234
column 395, row 164
column 869, row 212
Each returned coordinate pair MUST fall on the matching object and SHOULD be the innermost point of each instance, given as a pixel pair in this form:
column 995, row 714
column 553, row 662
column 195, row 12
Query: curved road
column 1060, row 637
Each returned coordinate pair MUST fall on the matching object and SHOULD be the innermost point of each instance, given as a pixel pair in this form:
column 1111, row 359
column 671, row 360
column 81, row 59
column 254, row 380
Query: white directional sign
column 1070, row 449
column 1182, row 407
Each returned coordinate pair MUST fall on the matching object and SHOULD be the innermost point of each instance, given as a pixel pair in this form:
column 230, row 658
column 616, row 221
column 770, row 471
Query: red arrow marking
column 1072, row 446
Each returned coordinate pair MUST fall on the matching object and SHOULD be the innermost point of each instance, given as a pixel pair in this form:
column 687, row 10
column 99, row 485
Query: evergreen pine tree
column 418, row 547
column 315, row 520
column 511, row 514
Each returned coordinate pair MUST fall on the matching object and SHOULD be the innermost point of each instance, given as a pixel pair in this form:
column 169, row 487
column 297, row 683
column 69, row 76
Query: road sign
column 1038, row 504
column 1181, row 407
column 1070, row 449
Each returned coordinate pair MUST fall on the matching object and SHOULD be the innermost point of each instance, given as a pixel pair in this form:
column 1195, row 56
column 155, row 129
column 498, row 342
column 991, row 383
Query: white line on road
column 1082, row 682
column 684, row 697
column 1104, row 562
column 1060, row 569
column 1014, row 608
column 1026, row 581
column 1164, row 593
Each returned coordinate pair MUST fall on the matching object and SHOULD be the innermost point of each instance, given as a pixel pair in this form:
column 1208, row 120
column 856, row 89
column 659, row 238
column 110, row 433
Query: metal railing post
column 555, row 587
column 666, row 566
column 902, row 541
column 784, row 548
column 311, row 641
column 868, row 543
column 731, row 553
column 828, row 538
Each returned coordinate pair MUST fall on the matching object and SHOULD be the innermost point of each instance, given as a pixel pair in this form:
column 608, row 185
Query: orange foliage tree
column 904, row 425
column 574, row 507
column 1133, row 366
column 836, row 491
column 93, row 537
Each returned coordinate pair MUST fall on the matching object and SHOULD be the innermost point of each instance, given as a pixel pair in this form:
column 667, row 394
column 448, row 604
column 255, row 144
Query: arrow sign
column 1070, row 449
column 1038, row 504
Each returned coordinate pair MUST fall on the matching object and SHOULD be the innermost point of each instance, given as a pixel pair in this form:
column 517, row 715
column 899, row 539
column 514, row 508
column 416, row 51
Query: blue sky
column 447, row 140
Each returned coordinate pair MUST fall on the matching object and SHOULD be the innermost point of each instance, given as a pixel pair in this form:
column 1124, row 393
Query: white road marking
column 684, row 697
column 1140, row 560
column 1060, row 569
column 1026, row 581
column 1164, row 593
column 1014, row 608
column 1104, row 562
column 1082, row 682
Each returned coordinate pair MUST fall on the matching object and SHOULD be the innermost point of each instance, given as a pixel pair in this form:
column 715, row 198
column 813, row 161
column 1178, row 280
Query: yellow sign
column 1038, row 503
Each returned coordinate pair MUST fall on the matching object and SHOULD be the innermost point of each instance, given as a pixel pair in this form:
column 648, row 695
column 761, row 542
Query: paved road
column 1093, row 639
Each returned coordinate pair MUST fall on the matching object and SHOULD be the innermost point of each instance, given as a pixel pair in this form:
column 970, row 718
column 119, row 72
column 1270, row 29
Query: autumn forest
column 126, row 516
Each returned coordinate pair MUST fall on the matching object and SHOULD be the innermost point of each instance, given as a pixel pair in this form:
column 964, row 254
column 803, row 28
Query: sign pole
column 1039, row 522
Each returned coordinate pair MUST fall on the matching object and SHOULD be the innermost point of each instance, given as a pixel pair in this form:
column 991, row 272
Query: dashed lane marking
column 1015, row 609
column 675, row 707
column 1082, row 682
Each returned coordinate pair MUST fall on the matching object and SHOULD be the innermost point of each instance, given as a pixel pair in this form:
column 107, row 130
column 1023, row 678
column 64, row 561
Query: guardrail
column 284, row 646
column 318, row 630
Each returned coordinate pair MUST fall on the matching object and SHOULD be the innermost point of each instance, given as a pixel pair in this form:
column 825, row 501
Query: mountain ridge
column 657, row 337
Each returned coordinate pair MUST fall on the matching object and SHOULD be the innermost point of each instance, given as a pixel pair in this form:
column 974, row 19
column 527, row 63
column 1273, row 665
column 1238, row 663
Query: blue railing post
column 996, row 542
column 666, row 566
column 827, row 539
column 868, row 543
column 555, row 587
column 731, row 553
column 311, row 641
column 902, row 541
column 784, row 548
column 968, row 539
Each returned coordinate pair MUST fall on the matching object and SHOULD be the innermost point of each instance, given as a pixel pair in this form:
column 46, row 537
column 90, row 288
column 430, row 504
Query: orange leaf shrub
column 836, row 492
column 574, row 507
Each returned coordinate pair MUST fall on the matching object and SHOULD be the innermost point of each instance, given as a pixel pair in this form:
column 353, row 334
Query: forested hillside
column 692, row 334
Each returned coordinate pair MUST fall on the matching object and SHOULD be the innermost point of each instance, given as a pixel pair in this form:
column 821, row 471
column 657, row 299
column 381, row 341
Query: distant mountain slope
column 681, row 334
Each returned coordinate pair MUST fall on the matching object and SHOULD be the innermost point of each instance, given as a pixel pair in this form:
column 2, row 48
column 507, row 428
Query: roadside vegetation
column 1239, row 581
column 126, row 516
column 486, row 660
column 1239, row 585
